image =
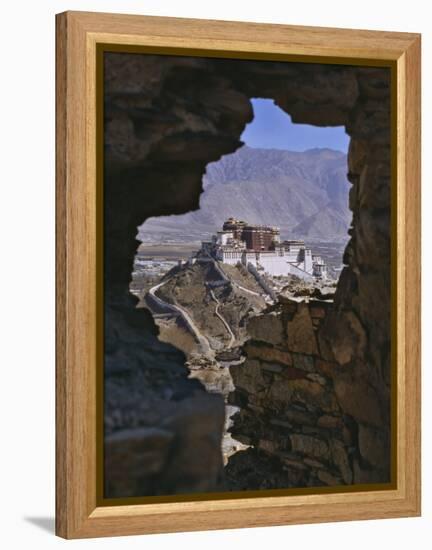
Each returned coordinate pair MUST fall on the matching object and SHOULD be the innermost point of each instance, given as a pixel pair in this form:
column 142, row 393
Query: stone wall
column 299, row 408
column 166, row 118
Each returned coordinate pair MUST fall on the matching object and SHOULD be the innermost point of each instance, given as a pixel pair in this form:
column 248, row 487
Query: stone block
column 301, row 418
column 330, row 422
column 267, row 328
column 310, row 446
column 248, row 376
column 303, row 362
column 279, row 393
column 300, row 332
column 267, row 353
column 272, row 367
column 313, row 395
column 292, row 463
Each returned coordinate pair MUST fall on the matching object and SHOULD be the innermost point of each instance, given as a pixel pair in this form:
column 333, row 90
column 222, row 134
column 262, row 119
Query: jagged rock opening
column 166, row 118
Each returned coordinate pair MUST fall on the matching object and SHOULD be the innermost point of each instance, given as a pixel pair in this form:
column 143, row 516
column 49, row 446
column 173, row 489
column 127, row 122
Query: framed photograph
column 238, row 274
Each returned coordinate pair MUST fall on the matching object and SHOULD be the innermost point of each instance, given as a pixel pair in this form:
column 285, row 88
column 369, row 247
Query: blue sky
column 272, row 128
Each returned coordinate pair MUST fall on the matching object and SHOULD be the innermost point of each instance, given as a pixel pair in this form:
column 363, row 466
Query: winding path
column 224, row 321
column 203, row 342
column 174, row 308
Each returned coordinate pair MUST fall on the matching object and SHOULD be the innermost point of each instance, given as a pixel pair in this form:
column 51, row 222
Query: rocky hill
column 305, row 193
column 188, row 288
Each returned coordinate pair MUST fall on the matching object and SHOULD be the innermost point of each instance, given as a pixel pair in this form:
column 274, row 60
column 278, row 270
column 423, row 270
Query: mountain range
column 304, row 193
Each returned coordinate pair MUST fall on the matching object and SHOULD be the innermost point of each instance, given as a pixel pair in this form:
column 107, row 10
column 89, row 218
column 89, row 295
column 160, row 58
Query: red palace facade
column 256, row 237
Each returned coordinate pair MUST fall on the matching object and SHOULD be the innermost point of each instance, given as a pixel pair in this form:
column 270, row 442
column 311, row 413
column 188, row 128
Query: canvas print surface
column 247, row 276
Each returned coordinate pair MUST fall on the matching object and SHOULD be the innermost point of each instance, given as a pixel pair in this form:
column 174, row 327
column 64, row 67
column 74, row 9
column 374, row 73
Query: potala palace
column 261, row 247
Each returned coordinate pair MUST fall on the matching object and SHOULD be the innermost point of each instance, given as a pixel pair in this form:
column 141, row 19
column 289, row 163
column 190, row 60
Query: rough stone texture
column 268, row 354
column 371, row 447
column 300, row 332
column 160, row 460
column 358, row 398
column 344, row 336
column 270, row 331
column 326, row 414
column 166, row 118
column 292, row 413
column 148, row 450
column 145, row 450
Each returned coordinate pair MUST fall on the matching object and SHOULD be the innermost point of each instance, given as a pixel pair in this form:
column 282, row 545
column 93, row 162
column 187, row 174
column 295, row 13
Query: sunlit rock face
column 166, row 118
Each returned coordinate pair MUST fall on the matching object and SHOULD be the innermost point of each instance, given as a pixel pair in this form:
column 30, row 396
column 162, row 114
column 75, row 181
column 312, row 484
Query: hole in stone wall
column 273, row 221
column 314, row 390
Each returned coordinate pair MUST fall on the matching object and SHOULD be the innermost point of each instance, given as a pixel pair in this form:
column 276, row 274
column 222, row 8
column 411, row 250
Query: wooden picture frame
column 78, row 512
